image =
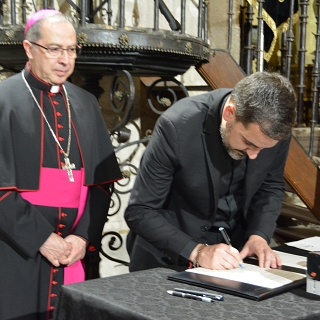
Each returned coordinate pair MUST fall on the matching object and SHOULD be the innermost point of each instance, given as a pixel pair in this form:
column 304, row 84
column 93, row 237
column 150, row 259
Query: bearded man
column 214, row 161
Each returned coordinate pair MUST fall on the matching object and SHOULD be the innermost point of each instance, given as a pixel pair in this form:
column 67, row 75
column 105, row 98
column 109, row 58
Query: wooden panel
column 222, row 71
column 297, row 212
column 303, row 176
column 295, row 233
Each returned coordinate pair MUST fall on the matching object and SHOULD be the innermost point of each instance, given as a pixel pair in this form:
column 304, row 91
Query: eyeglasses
column 55, row 51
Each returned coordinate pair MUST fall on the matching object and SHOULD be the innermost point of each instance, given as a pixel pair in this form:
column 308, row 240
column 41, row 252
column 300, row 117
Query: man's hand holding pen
column 223, row 256
column 218, row 257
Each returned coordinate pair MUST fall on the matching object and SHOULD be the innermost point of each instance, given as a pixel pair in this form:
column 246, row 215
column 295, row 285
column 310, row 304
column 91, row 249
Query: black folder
column 238, row 288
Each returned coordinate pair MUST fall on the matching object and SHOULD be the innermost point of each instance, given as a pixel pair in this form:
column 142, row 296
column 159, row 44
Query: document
column 251, row 281
column 267, row 278
column 251, row 274
column 292, row 260
column 309, row 244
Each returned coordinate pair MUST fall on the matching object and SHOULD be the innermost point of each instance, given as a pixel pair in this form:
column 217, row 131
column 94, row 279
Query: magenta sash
column 55, row 190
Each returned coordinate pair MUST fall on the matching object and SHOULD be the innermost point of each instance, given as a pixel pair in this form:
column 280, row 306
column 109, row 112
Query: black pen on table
column 227, row 239
column 189, row 296
column 213, row 296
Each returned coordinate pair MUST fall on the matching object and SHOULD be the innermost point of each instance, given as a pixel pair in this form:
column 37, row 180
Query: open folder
column 251, row 281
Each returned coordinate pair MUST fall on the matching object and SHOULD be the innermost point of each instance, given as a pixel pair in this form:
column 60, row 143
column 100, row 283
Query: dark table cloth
column 143, row 295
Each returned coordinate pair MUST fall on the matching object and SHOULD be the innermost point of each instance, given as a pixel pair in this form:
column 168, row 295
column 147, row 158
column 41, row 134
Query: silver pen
column 189, row 296
column 213, row 296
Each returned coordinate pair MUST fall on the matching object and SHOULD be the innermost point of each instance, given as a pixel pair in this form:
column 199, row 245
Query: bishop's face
column 53, row 70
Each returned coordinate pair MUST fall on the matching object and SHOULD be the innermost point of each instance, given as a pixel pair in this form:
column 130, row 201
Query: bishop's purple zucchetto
column 37, row 16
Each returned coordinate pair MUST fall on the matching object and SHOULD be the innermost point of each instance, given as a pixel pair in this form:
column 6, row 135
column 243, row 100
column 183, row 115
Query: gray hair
column 269, row 100
column 34, row 32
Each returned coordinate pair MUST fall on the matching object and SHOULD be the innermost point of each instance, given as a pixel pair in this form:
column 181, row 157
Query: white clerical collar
column 54, row 89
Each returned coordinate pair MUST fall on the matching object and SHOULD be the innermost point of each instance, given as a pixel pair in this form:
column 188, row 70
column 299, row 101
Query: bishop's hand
column 79, row 246
column 55, row 248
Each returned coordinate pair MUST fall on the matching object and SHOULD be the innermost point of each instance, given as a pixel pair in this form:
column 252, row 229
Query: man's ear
column 229, row 112
column 27, row 47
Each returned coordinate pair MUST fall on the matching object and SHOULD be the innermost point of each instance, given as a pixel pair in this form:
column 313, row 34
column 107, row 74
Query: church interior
column 140, row 56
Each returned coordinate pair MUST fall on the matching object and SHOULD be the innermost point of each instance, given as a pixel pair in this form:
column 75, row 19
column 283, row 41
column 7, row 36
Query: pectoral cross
column 68, row 166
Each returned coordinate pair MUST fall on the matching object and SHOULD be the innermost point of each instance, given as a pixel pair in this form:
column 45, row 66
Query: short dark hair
column 268, row 99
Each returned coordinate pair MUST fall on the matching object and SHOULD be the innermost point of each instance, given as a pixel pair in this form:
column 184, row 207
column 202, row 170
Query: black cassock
column 29, row 284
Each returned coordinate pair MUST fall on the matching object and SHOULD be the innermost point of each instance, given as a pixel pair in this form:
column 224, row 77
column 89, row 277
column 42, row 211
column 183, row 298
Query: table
column 143, row 295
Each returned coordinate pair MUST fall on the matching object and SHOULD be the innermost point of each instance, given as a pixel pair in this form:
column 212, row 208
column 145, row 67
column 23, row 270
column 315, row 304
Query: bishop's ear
column 28, row 48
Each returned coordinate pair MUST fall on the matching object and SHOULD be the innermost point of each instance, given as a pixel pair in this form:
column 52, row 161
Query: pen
column 225, row 236
column 189, row 296
column 227, row 239
column 213, row 296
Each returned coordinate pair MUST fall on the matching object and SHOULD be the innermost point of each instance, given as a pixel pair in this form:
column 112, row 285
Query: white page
column 309, row 244
column 292, row 260
column 268, row 278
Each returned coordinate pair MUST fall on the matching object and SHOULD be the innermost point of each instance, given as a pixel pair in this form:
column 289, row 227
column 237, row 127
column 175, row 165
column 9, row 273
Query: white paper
column 251, row 274
column 309, row 244
column 292, row 260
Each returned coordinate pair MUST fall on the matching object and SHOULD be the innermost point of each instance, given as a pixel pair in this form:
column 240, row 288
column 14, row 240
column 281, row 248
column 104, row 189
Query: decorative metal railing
column 112, row 48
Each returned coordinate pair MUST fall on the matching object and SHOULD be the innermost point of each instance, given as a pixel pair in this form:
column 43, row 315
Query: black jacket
column 174, row 199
